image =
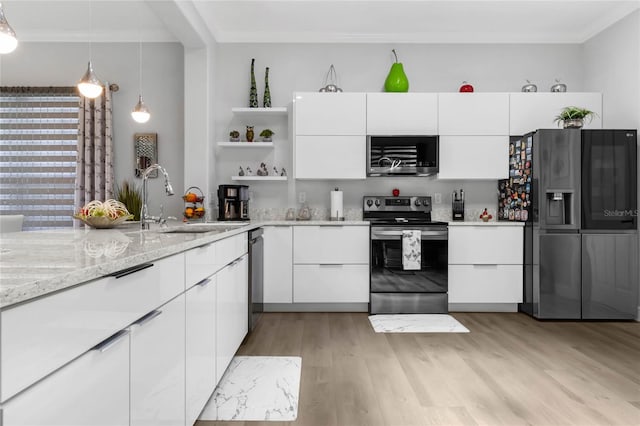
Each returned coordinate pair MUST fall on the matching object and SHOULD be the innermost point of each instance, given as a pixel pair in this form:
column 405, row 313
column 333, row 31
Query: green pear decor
column 253, row 93
column 266, row 100
column 397, row 80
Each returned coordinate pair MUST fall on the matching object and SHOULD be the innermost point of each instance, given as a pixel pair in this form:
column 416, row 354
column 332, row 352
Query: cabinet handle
column 204, row 282
column 109, row 342
column 327, row 265
column 485, row 265
column 145, row 319
column 128, row 271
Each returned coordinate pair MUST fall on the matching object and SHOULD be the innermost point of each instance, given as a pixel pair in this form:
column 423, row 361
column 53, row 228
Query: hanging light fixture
column 8, row 40
column 140, row 112
column 89, row 85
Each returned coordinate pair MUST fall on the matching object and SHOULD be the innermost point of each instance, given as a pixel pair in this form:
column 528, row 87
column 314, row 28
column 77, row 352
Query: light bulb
column 89, row 85
column 8, row 40
column 140, row 112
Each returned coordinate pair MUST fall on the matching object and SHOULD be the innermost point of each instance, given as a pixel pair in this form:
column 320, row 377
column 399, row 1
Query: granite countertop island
column 37, row 263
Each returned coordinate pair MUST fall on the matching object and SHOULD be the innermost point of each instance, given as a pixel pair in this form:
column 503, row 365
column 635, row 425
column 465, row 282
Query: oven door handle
column 426, row 235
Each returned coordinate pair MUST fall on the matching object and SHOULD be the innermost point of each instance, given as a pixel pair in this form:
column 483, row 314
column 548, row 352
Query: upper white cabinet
column 330, row 157
column 531, row 111
column 474, row 157
column 473, row 114
column 330, row 114
column 278, row 264
column 402, row 113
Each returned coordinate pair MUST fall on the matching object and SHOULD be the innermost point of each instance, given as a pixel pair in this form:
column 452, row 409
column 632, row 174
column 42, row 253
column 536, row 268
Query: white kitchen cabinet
column 402, row 113
column 331, row 283
column 232, row 315
column 230, row 249
column 278, row 264
column 337, row 244
column 158, row 366
column 330, row 157
column 200, row 351
column 474, row 157
column 199, row 264
column 532, row 111
column 330, row 114
column 485, row 264
column 331, row 264
column 92, row 390
column 41, row 336
column 473, row 114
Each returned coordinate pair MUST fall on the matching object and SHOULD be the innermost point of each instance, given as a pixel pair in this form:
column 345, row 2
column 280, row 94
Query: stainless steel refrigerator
column 578, row 190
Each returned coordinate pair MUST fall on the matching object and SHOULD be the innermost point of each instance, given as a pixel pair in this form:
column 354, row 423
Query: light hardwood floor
column 509, row 370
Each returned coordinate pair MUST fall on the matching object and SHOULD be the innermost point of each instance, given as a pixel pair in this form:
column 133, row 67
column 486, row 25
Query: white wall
column 612, row 64
column 62, row 64
column 363, row 68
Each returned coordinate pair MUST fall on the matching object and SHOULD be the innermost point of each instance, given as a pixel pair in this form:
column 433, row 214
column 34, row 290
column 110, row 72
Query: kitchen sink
column 200, row 228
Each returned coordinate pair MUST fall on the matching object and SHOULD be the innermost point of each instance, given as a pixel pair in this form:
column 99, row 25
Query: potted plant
column 266, row 135
column 131, row 196
column 573, row 117
column 234, row 136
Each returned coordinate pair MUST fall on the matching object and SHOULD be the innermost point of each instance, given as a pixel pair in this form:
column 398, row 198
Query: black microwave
column 402, row 155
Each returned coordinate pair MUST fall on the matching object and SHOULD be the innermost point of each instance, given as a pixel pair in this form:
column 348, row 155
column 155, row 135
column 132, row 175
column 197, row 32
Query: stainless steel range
column 408, row 256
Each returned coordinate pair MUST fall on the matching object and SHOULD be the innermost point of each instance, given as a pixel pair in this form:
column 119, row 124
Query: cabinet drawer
column 200, row 264
column 331, row 284
column 91, row 390
column 43, row 335
column 230, row 249
column 331, row 244
column 485, row 245
column 485, row 284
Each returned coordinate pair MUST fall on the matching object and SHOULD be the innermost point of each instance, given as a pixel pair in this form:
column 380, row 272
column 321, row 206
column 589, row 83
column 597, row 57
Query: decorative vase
column 253, row 93
column 267, row 92
column 397, row 80
column 249, row 135
column 574, row 123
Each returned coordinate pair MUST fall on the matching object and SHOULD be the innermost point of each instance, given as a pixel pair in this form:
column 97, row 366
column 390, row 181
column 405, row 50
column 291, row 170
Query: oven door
column 387, row 272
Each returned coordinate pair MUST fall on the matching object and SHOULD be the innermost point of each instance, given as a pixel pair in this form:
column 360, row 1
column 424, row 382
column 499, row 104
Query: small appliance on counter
column 457, row 205
column 337, row 210
column 233, row 202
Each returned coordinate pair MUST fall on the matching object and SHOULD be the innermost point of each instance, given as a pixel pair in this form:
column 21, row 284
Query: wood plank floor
column 509, row 370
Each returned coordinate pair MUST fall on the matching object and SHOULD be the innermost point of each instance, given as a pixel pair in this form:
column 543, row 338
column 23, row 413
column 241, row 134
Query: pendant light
column 140, row 112
column 89, row 85
column 8, row 40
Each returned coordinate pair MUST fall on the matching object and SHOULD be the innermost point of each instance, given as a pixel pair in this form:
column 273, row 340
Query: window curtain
column 94, row 169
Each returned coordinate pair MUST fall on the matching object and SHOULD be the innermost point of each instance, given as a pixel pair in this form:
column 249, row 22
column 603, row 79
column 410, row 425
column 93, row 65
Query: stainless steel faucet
column 144, row 211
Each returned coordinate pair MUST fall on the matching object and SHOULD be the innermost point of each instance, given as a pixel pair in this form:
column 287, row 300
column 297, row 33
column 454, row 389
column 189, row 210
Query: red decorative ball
column 466, row 87
column 396, row 192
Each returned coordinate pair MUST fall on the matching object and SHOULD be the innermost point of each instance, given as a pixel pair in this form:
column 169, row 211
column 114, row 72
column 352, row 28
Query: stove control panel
column 396, row 204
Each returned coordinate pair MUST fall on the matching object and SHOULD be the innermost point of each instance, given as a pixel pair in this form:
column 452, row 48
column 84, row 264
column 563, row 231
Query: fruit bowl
column 102, row 222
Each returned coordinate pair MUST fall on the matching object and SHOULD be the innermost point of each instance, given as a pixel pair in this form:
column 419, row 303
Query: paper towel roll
column 336, row 205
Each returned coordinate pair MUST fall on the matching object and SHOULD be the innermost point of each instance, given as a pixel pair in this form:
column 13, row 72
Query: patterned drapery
column 94, row 170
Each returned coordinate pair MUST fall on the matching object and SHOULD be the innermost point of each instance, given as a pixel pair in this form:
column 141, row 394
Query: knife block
column 457, row 208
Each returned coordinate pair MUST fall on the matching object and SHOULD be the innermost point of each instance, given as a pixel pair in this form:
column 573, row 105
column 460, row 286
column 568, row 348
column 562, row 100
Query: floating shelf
column 246, row 144
column 260, row 111
column 271, row 178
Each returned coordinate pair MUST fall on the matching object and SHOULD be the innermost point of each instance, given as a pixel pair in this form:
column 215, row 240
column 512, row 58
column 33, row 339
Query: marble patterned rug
column 416, row 323
column 257, row 388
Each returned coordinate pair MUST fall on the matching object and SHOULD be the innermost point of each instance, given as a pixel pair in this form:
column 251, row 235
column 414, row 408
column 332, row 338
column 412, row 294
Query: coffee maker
column 233, row 202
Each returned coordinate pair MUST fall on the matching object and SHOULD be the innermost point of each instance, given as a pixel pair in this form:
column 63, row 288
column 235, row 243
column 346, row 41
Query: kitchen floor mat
column 416, row 323
column 257, row 388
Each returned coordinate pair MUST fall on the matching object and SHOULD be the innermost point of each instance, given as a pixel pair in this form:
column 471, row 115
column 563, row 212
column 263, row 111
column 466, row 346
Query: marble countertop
column 490, row 223
column 37, row 263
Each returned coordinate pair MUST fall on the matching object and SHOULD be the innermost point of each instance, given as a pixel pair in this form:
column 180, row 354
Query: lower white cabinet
column 232, row 315
column 278, row 264
column 200, row 346
column 91, row 390
column 158, row 366
column 331, row 283
column 485, row 264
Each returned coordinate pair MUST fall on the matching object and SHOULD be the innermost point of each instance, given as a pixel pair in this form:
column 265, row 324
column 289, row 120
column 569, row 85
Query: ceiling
column 286, row 21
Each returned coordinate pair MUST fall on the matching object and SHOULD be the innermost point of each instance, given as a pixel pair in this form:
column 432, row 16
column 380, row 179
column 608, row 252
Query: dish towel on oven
column 411, row 256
